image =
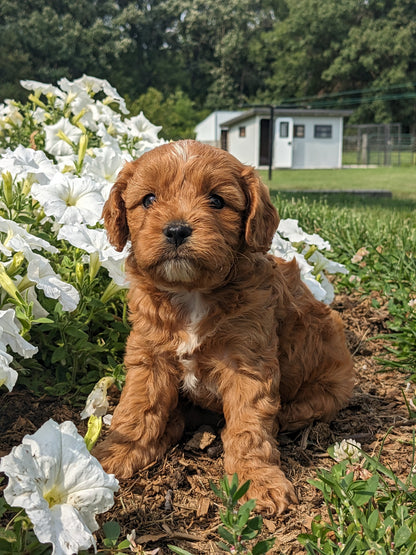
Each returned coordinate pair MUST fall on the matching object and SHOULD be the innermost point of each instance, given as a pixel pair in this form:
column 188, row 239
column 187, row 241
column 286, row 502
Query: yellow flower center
column 54, row 497
column 71, row 200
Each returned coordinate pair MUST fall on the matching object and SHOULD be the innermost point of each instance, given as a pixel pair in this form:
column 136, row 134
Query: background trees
column 208, row 54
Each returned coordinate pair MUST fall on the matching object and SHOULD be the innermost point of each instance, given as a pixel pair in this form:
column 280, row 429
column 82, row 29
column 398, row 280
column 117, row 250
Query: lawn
column 401, row 181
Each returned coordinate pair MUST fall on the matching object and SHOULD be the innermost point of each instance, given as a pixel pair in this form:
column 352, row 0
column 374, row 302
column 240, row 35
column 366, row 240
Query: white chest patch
column 196, row 308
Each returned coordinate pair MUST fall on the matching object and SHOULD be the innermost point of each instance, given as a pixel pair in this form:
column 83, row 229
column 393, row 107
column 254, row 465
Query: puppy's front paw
column 272, row 491
column 122, row 459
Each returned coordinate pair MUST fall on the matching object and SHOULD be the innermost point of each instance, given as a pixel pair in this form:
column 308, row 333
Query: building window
column 284, row 130
column 241, row 131
column 299, row 131
column 323, row 132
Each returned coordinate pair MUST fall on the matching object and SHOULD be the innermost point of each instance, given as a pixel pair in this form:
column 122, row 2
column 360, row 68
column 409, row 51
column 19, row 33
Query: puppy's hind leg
column 322, row 395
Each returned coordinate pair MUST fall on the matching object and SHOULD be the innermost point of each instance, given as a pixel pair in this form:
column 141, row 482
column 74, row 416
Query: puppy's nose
column 177, row 233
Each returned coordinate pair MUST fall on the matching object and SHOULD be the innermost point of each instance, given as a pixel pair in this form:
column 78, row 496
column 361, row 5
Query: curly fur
column 216, row 320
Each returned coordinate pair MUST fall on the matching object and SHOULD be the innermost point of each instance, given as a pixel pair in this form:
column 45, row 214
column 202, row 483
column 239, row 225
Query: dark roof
column 288, row 112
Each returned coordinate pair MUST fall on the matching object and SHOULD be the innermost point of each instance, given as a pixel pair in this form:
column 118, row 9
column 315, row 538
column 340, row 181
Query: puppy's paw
column 272, row 491
column 122, row 459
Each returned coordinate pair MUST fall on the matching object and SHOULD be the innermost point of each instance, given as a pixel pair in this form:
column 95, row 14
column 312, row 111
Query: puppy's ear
column 114, row 211
column 262, row 218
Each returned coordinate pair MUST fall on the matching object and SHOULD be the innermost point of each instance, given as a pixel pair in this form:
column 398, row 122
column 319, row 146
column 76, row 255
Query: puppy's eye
column 217, row 202
column 148, row 200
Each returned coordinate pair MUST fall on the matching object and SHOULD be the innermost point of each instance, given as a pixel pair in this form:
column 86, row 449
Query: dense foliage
column 217, row 55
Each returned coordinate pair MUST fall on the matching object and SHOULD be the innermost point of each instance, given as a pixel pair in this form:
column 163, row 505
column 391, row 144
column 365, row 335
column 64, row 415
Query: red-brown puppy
column 216, row 319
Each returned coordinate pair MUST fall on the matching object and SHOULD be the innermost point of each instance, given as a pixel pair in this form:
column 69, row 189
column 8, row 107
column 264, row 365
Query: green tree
column 46, row 40
column 214, row 38
column 176, row 113
column 329, row 48
column 379, row 55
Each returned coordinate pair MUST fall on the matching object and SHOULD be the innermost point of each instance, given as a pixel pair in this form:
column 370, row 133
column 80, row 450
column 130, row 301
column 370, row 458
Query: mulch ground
column 171, row 502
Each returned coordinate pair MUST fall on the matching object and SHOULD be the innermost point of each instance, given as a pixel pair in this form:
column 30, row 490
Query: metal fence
column 378, row 145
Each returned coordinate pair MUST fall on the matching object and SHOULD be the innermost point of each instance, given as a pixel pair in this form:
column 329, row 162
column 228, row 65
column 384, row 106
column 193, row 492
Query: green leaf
column 373, row 520
column 59, row 354
column 179, row 550
column 226, row 535
column 363, row 491
column 124, row 544
column 401, row 537
column 350, row 546
column 7, row 535
column 111, row 530
column 263, row 546
column 241, row 491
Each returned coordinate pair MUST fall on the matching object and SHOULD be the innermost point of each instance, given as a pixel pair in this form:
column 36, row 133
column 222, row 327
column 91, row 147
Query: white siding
column 308, row 152
column 209, row 131
column 245, row 149
column 318, row 153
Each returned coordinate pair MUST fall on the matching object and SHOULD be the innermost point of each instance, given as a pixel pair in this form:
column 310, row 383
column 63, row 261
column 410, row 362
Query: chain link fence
column 378, row 145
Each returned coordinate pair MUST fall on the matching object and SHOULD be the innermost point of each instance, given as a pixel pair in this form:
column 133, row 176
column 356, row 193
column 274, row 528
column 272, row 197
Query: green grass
column 401, row 181
column 387, row 229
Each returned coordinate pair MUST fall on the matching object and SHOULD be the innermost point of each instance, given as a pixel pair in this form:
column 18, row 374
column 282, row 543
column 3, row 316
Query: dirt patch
column 171, row 502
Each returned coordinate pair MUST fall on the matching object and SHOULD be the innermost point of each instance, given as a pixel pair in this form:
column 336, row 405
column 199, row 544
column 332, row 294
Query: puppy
column 216, row 319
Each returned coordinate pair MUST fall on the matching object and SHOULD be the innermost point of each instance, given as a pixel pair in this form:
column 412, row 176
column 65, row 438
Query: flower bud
column 79, row 272
column 8, row 188
column 16, row 263
column 7, row 283
column 311, row 250
column 27, row 185
column 65, row 138
column 82, row 149
column 111, row 289
column 35, row 100
column 94, row 265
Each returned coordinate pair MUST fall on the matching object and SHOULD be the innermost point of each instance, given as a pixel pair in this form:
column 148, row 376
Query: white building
column 209, row 131
column 302, row 138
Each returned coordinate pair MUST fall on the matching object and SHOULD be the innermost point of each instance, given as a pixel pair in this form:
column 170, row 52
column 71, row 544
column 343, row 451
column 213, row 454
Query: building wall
column 208, row 131
column 246, row 148
column 310, row 152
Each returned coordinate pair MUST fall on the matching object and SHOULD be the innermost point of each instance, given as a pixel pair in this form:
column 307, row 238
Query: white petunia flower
column 96, row 241
column 10, row 115
column 20, row 240
column 60, row 485
column 139, row 126
column 347, row 449
column 105, row 166
column 8, row 376
column 284, row 249
column 109, row 140
column 55, row 144
column 41, row 88
column 290, row 229
column 320, row 263
column 41, row 272
column 95, row 85
column 24, row 162
column 70, row 199
column 10, row 335
column 97, row 402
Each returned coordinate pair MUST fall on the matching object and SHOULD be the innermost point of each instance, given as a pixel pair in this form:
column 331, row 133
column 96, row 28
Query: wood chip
column 202, row 439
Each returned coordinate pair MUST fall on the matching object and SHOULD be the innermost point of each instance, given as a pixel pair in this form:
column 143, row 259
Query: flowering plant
column 59, row 276
column 60, row 485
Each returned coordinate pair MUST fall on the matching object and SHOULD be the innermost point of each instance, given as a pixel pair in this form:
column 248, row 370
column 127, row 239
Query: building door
column 283, row 143
column 264, row 142
column 224, row 139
